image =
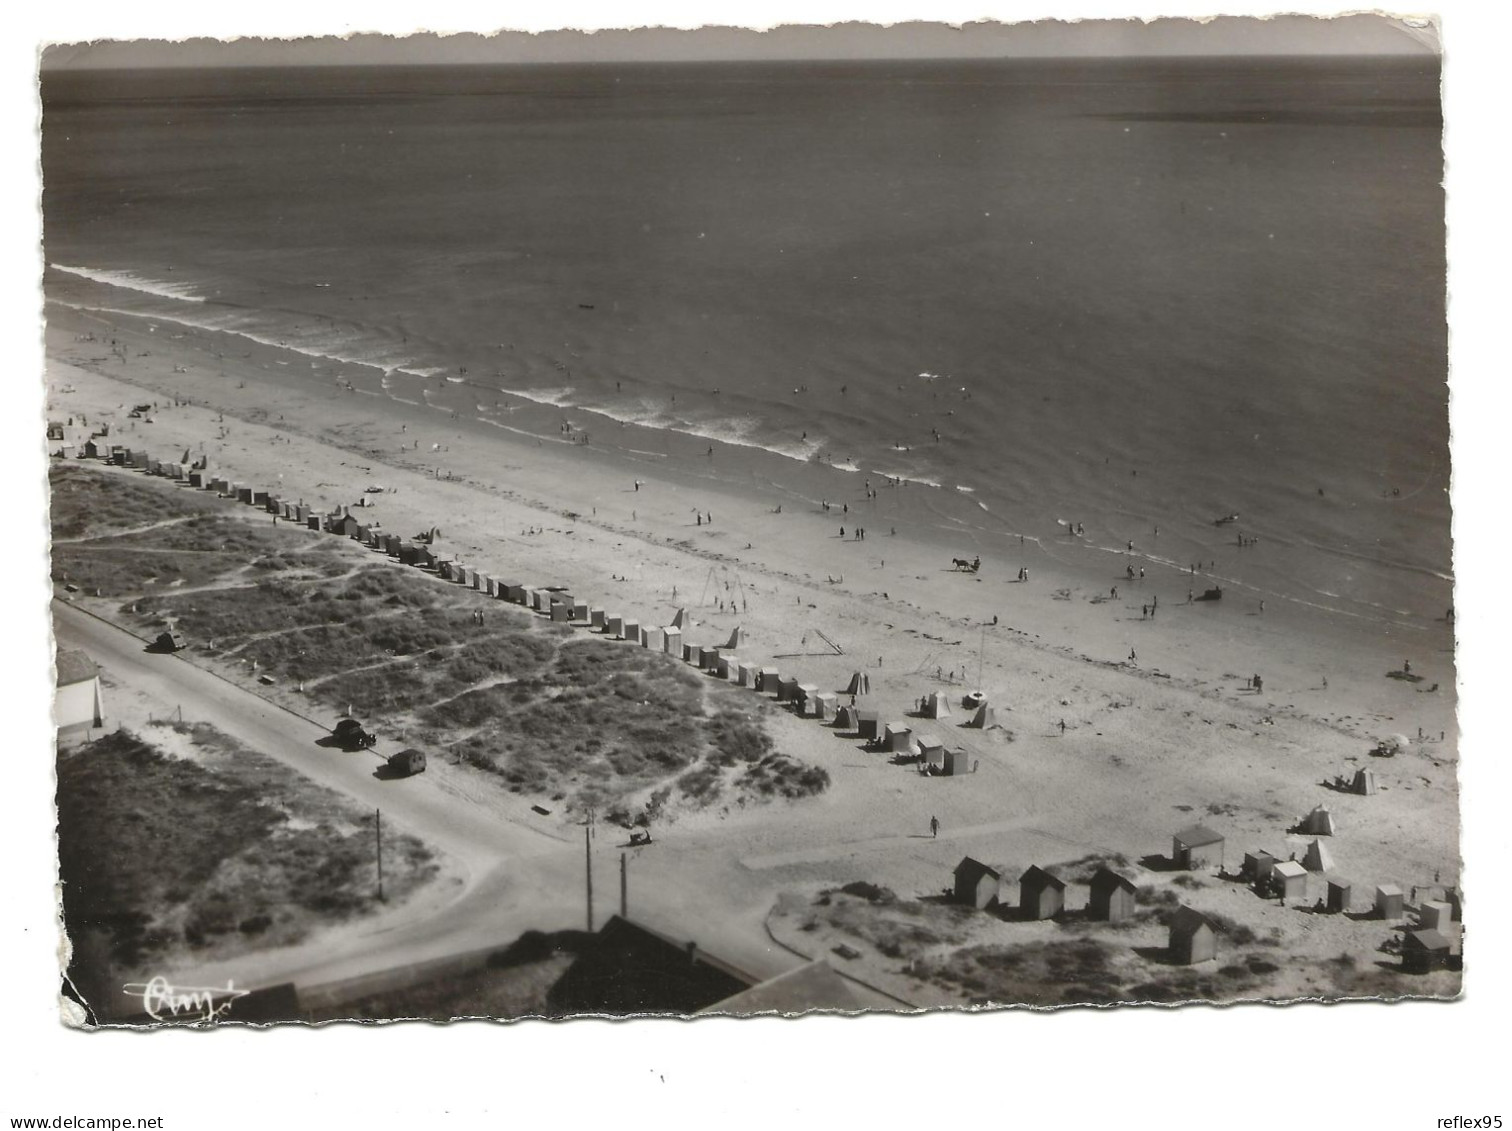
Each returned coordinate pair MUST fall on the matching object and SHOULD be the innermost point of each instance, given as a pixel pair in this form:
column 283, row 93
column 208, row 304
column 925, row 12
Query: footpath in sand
column 1175, row 737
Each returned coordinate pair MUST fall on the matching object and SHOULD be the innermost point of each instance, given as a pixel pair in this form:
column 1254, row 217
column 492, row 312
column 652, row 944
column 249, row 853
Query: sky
column 1283, row 35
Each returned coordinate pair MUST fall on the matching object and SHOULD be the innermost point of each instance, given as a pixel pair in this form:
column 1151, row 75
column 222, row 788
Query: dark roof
column 1426, row 939
column 1198, row 835
column 75, row 667
column 1106, row 879
column 1037, row 877
column 1187, row 921
column 974, row 870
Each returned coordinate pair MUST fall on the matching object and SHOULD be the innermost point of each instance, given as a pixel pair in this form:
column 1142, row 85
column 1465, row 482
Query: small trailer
column 406, row 763
column 350, row 735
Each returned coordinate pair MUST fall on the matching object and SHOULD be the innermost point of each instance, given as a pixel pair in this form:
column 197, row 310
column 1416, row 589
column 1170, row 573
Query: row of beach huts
column 558, row 603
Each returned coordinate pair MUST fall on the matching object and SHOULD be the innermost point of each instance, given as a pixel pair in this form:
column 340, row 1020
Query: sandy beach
column 1161, row 725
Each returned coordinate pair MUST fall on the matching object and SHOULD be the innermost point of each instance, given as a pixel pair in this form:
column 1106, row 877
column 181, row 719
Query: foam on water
column 127, row 281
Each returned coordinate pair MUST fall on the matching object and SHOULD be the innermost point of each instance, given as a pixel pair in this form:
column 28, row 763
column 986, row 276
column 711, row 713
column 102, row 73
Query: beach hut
column 984, row 718
column 259, row 498
column 154, row 467
column 409, row 554
column 220, row 486
column 936, row 706
column 1317, row 823
column 869, row 724
column 826, row 703
column 787, row 689
column 614, row 625
column 79, row 701
column 1434, row 914
column 1113, row 896
column 808, row 702
column 197, row 479
column 727, row 665
column 846, row 718
column 479, row 579
column 651, row 638
column 516, row 592
column 1364, row 783
column 313, row 522
column 672, row 640
column 1193, row 938
column 1041, row 895
column 746, row 674
column 1257, row 868
column 243, row 494
column 1340, row 892
column 976, row 885
column 955, row 763
column 1317, row 858
column 1424, row 951
column 691, row 653
column 596, row 619
column 1389, row 902
column 540, row 601
column 580, row 610
column 932, row 752
column 806, row 691
column 176, row 471
column 767, row 680
column 560, row 613
column 897, row 738
column 860, row 684
column 707, row 658
column 1289, row 880
column 1196, row 848
column 630, row 631
column 1454, row 898
column 406, row 762
column 92, row 448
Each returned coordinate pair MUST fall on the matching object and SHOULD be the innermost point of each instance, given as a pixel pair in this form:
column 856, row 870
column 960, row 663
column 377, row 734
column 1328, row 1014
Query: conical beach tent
column 680, row 619
column 860, row 684
column 936, row 706
column 1318, row 858
column 1319, row 822
column 735, row 638
column 1364, row 783
column 985, row 718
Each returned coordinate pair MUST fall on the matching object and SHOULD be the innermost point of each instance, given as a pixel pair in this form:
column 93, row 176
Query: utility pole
column 378, row 830
column 624, row 890
column 588, row 859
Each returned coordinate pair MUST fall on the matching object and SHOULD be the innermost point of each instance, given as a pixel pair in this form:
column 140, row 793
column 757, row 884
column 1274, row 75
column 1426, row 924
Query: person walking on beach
column 1133, row 659
column 1115, row 592
column 934, row 826
column 1063, row 726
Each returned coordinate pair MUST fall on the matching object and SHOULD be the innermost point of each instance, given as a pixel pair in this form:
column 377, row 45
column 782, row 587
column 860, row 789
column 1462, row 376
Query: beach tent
column 808, row 700
column 936, row 705
column 869, row 724
column 825, row 705
column 736, row 638
column 1289, row 879
column 1388, row 902
column 976, row 885
column 746, row 674
column 1317, row 857
column 1423, row 951
column 1364, row 783
column 672, row 640
column 1339, row 894
column 846, row 718
column 1041, row 895
column 1193, row 938
column 1113, row 896
column 897, row 738
column 860, row 684
column 1435, row 914
column 1196, row 848
column 985, row 717
column 1317, row 823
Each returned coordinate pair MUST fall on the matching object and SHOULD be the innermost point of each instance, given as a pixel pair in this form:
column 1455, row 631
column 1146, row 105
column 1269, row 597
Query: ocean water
column 1121, row 293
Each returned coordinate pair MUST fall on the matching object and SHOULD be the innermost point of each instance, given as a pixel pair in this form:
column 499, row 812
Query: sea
column 1083, row 303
